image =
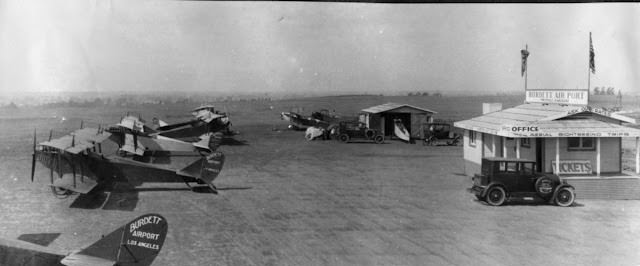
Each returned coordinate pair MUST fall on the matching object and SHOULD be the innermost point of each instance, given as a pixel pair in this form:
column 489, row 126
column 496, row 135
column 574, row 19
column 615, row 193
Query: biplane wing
column 132, row 145
column 68, row 182
column 78, row 140
column 168, row 127
column 132, row 123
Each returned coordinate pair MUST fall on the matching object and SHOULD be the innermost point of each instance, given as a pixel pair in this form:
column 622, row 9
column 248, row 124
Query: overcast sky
column 280, row 47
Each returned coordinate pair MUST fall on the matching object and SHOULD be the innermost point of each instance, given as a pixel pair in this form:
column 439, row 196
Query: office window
column 472, row 138
column 525, row 142
column 581, row 144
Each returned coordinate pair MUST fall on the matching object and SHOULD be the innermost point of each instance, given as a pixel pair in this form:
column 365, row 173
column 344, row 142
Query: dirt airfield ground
column 286, row 201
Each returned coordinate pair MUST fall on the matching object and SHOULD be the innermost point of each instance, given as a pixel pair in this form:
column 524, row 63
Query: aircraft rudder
column 137, row 243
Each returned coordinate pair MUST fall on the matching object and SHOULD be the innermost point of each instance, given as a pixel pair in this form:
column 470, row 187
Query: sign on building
column 573, row 97
column 573, row 166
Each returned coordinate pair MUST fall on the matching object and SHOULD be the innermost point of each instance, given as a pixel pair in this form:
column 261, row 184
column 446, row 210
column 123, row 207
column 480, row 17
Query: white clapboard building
column 564, row 135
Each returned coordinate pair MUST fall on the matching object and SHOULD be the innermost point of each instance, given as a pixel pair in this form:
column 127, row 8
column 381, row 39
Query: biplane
column 319, row 119
column 78, row 162
column 136, row 243
column 206, row 120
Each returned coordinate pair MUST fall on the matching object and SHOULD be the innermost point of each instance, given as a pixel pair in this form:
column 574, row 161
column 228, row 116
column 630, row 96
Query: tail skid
column 137, row 243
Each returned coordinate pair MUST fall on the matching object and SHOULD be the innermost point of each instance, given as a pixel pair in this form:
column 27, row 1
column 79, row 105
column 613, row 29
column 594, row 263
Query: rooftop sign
column 552, row 130
column 573, row 97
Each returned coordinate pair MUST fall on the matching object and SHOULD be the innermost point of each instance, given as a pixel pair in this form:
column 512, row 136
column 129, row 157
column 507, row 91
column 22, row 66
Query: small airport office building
column 564, row 136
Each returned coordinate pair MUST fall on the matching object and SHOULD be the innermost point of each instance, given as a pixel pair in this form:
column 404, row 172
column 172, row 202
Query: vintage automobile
column 440, row 133
column 348, row 130
column 503, row 179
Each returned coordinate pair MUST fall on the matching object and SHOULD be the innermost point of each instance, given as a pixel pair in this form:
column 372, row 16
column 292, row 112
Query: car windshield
column 527, row 168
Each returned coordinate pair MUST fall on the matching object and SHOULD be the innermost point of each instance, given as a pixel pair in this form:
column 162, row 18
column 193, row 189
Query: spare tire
column 544, row 186
column 370, row 133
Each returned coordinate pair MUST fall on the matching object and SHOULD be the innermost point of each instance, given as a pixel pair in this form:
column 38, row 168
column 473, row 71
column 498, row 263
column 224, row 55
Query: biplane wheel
column 61, row 193
column 430, row 141
column 308, row 136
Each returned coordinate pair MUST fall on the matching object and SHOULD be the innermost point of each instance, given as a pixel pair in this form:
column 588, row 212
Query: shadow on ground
column 43, row 239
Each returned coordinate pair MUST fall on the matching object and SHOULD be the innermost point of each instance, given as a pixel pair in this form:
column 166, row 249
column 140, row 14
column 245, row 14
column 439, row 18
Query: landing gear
column 214, row 189
column 61, row 193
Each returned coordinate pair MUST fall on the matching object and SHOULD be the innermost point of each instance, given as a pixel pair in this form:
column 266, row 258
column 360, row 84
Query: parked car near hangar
column 349, row 130
column 503, row 179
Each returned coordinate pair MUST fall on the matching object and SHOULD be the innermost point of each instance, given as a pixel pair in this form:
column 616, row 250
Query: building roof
column 551, row 120
column 503, row 159
column 391, row 106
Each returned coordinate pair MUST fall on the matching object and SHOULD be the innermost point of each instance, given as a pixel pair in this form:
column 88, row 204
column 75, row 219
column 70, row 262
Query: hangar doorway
column 389, row 124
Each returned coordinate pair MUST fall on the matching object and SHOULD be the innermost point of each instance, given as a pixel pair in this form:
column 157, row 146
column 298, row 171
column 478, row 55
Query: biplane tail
column 206, row 168
column 137, row 243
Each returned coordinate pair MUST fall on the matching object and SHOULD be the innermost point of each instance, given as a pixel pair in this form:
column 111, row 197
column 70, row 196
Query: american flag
column 525, row 54
column 592, row 55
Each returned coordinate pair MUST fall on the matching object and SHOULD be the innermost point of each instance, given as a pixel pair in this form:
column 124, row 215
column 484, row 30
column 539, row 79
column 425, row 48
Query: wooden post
column 637, row 155
column 504, row 147
column 493, row 145
column 518, row 148
column 598, row 156
column 557, row 172
column 481, row 142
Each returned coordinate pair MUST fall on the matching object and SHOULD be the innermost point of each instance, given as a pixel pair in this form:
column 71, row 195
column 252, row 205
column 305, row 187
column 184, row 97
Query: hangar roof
column 392, row 106
column 551, row 120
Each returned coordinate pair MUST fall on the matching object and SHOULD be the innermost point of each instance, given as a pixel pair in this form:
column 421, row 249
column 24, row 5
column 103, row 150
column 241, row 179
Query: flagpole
column 526, row 70
column 589, row 71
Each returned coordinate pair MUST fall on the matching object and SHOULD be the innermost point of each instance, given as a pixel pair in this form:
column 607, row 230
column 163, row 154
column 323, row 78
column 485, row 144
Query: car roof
column 502, row 159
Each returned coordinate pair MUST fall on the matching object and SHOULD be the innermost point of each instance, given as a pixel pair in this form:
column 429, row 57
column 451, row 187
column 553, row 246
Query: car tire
column 544, row 187
column 565, row 197
column 343, row 138
column 496, row 196
column 379, row 139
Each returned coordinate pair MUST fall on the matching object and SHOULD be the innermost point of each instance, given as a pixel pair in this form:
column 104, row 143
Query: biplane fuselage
column 206, row 121
column 88, row 157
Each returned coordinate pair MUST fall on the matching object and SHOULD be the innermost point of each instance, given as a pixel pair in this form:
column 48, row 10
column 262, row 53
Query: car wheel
column 379, row 139
column 344, row 137
column 496, row 196
column 565, row 197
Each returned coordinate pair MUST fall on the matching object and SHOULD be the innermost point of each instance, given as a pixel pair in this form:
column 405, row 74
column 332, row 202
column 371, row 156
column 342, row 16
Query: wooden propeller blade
column 33, row 158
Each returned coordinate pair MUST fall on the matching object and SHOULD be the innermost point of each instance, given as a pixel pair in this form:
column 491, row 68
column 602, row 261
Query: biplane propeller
column 124, row 153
